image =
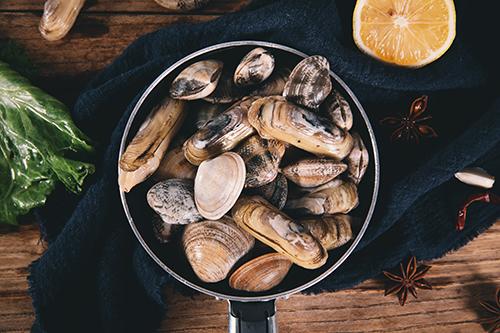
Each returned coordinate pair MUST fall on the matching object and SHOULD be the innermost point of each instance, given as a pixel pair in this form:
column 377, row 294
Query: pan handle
column 252, row 317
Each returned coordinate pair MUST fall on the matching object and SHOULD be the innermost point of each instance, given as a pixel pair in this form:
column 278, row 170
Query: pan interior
column 170, row 256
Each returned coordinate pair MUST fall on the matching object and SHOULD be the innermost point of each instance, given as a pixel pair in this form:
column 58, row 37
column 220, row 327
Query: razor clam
column 146, row 150
column 338, row 110
column 175, row 165
column 207, row 112
column 262, row 158
column 275, row 229
column 182, row 5
column 173, row 200
column 313, row 172
column 220, row 134
column 357, row 160
column 276, row 192
column 475, row 177
column 332, row 231
column 275, row 118
column 274, row 85
column 254, row 68
column 227, row 91
column 218, row 184
column 213, row 247
column 337, row 196
column 58, row 18
column 197, row 80
column 261, row 274
column 309, row 83
column 163, row 231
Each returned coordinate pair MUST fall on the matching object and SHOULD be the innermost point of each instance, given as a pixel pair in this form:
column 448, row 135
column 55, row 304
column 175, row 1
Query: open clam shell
column 146, row 150
column 254, row 68
column 332, row 231
column 262, row 158
column 197, row 81
column 357, row 160
column 338, row 110
column 336, row 196
column 213, row 247
column 275, row 118
column 220, row 134
column 175, row 165
column 261, row 274
column 218, row 185
column 276, row 192
column 309, row 83
column 275, row 229
column 313, row 172
column 173, row 200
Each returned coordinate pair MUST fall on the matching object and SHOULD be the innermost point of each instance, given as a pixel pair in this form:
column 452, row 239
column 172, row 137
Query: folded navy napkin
column 95, row 277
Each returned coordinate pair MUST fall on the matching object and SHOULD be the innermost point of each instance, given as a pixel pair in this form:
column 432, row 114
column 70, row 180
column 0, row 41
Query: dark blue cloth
column 95, row 277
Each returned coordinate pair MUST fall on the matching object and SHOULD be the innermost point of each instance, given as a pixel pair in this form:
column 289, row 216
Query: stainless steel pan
column 248, row 312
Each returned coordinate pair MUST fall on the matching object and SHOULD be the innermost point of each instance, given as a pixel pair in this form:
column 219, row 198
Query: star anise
column 494, row 309
column 410, row 127
column 410, row 279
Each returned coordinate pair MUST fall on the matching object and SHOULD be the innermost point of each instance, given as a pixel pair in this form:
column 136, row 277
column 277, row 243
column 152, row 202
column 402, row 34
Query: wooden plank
column 114, row 6
column 460, row 280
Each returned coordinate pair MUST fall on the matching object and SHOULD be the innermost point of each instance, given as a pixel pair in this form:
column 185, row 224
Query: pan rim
column 282, row 294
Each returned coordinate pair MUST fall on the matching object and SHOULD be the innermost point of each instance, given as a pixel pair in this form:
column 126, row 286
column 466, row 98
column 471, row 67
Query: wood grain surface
column 102, row 31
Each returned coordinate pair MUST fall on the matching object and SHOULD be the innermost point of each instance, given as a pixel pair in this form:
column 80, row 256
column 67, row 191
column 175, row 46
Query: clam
column 58, row 18
column 338, row 110
column 227, row 91
column 276, row 192
column 274, row 85
column 218, row 185
column 163, row 231
column 334, row 197
column 213, row 247
column 261, row 274
column 197, row 80
column 175, row 165
column 207, row 112
column 173, row 200
column 146, row 150
column 332, row 231
column 357, row 160
column 275, row 229
column 254, row 68
column 313, row 172
column 220, row 134
column 309, row 83
column 262, row 158
column 275, row 118
column 182, row 5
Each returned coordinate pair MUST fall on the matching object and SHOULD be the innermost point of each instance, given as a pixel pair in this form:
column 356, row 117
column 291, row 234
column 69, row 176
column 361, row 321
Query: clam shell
column 309, row 83
column 313, row 172
column 182, row 5
column 254, row 68
column 338, row 110
column 274, row 85
column 213, row 247
column 475, row 177
column 197, row 81
column 275, row 229
column 276, row 192
column 218, row 185
column 261, row 274
column 334, row 197
column 220, row 134
column 332, row 231
column 163, row 231
column 58, row 18
column 146, row 150
column 172, row 199
column 357, row 160
column 262, row 158
column 275, row 118
column 175, row 165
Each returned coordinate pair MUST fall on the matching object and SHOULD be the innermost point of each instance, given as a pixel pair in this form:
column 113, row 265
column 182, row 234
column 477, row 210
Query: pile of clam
column 270, row 162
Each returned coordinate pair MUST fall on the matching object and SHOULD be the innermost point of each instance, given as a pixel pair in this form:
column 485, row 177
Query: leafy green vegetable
column 37, row 137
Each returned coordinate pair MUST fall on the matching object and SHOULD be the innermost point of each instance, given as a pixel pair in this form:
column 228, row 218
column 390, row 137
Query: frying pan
column 248, row 312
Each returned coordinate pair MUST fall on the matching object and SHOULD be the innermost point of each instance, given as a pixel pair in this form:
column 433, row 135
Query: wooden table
column 103, row 30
